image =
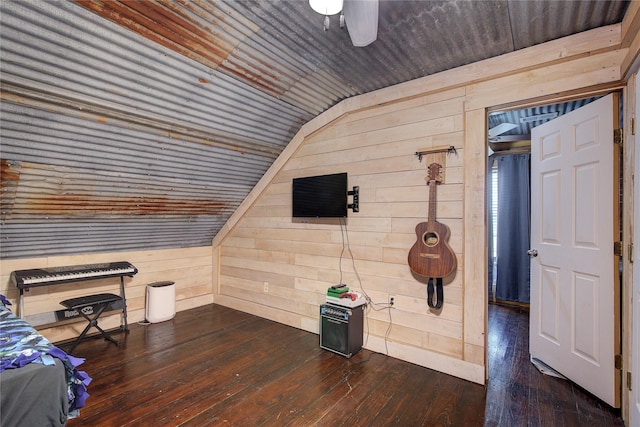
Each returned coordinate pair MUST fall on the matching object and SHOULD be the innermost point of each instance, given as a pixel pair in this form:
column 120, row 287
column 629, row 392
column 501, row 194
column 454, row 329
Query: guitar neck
column 431, row 217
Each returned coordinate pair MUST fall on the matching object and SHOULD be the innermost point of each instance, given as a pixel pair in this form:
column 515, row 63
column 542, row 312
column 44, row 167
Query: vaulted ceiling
column 281, row 49
column 144, row 124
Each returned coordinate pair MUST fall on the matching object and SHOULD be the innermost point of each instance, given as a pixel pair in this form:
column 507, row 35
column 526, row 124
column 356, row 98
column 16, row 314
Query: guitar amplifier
column 341, row 329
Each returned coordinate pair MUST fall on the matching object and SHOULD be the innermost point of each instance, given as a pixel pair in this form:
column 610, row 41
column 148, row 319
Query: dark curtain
column 514, row 211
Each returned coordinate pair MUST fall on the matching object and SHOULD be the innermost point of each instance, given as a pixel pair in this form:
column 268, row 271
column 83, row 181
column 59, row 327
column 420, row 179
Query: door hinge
column 618, row 361
column 618, row 135
column 631, row 252
column 629, row 381
column 617, row 248
column 633, row 125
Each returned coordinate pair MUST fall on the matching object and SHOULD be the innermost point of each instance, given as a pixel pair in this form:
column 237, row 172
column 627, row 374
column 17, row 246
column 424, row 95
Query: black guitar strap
column 439, row 294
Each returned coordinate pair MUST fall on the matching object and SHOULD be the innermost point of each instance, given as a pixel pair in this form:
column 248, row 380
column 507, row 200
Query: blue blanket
column 21, row 344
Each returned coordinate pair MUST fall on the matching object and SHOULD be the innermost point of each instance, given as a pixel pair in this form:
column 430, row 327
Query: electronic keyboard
column 25, row 279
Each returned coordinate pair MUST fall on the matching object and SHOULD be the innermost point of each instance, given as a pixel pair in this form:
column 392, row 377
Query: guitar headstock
column 435, row 170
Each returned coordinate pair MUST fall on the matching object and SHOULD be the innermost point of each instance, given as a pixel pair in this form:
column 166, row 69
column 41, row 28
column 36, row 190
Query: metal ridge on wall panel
column 36, row 134
column 100, row 237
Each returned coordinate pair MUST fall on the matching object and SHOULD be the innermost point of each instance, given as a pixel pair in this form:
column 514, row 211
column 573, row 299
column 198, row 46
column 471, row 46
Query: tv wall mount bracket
column 356, row 199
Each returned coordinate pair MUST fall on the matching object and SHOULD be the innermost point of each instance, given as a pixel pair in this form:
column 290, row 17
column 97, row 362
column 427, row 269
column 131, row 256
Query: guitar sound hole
column 430, row 238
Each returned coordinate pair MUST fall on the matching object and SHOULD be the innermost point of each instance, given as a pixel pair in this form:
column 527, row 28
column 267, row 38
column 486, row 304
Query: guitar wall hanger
column 441, row 149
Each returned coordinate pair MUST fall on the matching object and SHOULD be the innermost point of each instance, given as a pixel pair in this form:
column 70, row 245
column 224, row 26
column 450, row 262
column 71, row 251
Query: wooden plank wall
column 190, row 269
column 300, row 259
column 277, row 267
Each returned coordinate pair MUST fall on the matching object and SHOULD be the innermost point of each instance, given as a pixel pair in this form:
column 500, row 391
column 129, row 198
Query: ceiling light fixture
column 326, row 8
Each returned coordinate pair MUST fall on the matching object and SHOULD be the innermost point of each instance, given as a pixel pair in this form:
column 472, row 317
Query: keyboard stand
column 60, row 315
column 91, row 307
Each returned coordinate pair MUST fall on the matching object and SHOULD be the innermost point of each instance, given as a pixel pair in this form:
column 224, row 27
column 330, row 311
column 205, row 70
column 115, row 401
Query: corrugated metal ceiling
column 130, row 125
column 523, row 120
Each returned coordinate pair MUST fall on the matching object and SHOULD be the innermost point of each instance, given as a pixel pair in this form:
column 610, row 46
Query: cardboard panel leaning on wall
column 189, row 268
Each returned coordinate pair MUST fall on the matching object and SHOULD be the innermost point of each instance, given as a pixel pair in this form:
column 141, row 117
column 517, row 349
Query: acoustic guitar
column 431, row 255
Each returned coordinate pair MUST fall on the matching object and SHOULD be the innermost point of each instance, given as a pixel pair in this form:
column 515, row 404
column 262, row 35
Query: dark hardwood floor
column 217, row 366
column 519, row 395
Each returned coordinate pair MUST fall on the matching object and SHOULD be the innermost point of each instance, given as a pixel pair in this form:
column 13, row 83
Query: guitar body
column 431, row 255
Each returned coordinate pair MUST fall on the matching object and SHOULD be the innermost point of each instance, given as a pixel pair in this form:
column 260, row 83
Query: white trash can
column 161, row 301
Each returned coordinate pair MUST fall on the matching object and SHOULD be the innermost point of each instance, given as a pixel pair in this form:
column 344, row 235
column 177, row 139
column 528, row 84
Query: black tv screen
column 323, row 196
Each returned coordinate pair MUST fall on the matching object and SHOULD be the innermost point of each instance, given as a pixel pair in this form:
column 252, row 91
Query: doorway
column 509, row 149
column 504, row 146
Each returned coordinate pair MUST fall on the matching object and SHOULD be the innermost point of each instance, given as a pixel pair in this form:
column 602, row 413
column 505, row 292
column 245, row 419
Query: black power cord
column 370, row 303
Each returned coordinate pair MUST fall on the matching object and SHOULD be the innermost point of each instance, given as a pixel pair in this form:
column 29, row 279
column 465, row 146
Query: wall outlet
column 265, row 286
column 392, row 300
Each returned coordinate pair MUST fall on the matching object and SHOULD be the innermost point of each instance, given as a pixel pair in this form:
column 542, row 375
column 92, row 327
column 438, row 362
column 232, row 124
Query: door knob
column 532, row 253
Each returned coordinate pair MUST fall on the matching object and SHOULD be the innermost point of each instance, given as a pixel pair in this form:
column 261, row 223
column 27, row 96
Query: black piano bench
column 91, row 307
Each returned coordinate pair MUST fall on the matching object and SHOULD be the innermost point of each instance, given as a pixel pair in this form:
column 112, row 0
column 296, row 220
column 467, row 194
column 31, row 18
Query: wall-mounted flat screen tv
column 323, row 196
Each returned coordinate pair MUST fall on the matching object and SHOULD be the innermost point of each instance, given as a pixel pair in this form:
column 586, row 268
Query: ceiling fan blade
column 501, row 128
column 361, row 17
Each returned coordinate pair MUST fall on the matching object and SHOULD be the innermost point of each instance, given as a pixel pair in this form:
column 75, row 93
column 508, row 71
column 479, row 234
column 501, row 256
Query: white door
column 635, row 340
column 574, row 324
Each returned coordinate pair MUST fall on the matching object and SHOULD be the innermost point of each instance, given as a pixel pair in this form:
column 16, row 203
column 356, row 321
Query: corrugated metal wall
column 111, row 142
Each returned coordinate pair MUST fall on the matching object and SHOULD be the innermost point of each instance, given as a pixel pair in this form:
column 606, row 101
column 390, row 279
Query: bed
column 40, row 384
